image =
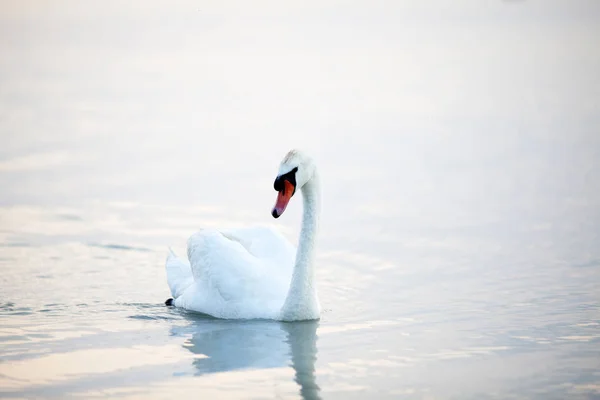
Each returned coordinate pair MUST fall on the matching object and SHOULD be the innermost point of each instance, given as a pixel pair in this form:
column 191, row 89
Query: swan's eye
column 290, row 177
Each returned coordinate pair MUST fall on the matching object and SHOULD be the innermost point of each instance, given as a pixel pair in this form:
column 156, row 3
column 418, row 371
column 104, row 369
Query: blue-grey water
column 459, row 147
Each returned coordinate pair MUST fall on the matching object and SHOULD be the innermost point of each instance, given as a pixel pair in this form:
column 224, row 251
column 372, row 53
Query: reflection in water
column 232, row 345
column 302, row 339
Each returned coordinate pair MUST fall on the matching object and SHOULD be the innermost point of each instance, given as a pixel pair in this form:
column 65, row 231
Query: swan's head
column 295, row 171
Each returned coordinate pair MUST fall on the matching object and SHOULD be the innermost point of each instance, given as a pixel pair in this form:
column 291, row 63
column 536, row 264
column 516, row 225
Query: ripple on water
column 69, row 217
column 142, row 305
column 16, row 244
column 151, row 317
column 150, row 312
column 114, row 246
column 10, row 308
column 53, row 307
column 13, row 338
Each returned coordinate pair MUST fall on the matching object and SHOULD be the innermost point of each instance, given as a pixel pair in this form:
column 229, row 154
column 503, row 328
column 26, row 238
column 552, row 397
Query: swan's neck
column 302, row 302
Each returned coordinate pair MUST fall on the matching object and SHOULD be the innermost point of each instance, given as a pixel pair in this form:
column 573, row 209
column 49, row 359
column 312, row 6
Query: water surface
column 459, row 255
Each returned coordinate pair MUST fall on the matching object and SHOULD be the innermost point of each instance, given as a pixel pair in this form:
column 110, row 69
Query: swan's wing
column 179, row 274
column 221, row 265
column 266, row 244
column 230, row 271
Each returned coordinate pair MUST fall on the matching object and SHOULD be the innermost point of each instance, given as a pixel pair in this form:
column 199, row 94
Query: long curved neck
column 302, row 302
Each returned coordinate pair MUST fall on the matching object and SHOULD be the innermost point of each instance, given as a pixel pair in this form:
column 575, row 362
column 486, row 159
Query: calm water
column 459, row 147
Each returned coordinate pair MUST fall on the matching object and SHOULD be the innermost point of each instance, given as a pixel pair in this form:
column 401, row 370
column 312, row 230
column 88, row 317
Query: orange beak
column 283, row 198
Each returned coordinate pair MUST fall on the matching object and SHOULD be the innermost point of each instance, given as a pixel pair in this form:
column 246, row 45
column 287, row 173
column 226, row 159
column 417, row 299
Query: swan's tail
column 179, row 274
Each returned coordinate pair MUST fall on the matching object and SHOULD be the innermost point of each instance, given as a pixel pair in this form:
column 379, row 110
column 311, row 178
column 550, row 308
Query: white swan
column 252, row 273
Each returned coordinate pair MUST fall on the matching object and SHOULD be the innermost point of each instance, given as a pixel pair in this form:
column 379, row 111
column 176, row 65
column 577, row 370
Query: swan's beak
column 283, row 198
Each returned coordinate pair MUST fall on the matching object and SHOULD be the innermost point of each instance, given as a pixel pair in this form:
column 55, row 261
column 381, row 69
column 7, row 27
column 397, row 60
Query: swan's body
column 231, row 274
column 255, row 272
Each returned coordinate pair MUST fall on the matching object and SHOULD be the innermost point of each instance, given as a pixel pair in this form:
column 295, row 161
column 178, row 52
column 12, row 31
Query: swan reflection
column 233, row 345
